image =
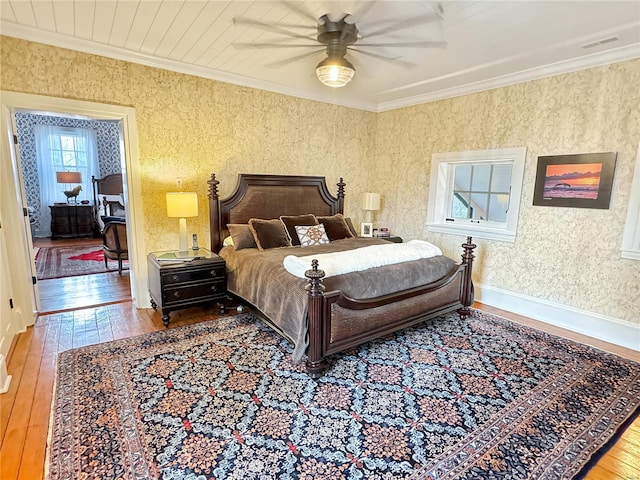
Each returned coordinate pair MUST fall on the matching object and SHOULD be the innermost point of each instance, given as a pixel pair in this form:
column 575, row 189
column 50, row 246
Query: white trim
column 33, row 34
column 595, row 325
column 440, row 193
column 631, row 236
column 622, row 54
column 5, row 379
column 15, row 101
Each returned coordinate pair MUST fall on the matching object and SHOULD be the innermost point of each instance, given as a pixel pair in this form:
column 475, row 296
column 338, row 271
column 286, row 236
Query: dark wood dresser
column 69, row 221
column 176, row 283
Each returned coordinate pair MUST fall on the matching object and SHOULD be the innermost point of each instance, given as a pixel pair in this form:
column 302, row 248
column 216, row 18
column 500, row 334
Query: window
column 476, row 193
column 68, row 149
column 631, row 234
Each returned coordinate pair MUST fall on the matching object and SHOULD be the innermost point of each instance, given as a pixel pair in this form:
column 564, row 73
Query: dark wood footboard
column 336, row 322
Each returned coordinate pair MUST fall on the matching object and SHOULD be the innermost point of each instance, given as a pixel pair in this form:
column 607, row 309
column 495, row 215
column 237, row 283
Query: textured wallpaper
column 189, row 127
column 566, row 255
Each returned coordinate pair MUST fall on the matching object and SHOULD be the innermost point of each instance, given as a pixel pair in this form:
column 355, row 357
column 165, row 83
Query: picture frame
column 366, row 230
column 577, row 180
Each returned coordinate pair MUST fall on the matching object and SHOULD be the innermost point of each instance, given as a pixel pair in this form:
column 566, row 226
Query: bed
column 108, row 200
column 324, row 316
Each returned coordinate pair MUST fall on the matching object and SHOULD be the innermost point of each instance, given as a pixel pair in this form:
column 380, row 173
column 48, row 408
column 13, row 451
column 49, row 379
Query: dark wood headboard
column 269, row 196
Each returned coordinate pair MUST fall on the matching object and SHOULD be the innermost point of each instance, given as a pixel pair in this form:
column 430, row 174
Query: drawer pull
column 176, row 294
column 214, row 287
column 213, row 273
column 174, row 278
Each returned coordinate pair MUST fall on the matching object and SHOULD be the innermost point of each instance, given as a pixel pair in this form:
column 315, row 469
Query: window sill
column 475, row 232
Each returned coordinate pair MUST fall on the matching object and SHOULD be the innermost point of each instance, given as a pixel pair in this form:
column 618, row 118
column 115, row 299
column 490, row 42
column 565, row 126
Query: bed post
column 214, row 214
column 341, row 186
column 467, row 284
column 315, row 358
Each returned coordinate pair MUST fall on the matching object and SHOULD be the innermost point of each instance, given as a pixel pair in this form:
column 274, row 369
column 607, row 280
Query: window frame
column 631, row 233
column 442, row 186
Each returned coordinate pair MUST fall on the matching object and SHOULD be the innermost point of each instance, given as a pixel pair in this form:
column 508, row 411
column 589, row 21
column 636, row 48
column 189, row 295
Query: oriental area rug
column 59, row 262
column 478, row 398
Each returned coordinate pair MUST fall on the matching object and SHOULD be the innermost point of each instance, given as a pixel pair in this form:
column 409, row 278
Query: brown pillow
column 352, row 229
column 242, row 236
column 269, row 233
column 291, row 222
column 336, row 227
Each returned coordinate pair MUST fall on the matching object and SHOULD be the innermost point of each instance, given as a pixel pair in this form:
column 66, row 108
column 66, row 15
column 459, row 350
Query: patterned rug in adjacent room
column 452, row 399
column 58, row 262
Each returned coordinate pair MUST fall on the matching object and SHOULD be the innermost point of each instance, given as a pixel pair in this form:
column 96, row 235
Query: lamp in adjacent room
column 69, row 178
column 182, row 205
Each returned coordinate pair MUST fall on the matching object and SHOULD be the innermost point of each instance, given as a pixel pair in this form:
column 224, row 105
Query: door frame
column 13, row 199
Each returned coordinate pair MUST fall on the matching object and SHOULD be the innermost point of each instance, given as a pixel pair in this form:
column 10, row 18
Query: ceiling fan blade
column 269, row 27
column 394, row 60
column 410, row 22
column 286, row 61
column 406, row 44
column 243, row 46
column 301, row 11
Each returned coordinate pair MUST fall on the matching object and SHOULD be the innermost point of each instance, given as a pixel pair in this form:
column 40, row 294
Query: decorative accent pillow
column 228, row 242
column 242, row 236
column 336, row 227
column 311, row 235
column 291, row 222
column 269, row 233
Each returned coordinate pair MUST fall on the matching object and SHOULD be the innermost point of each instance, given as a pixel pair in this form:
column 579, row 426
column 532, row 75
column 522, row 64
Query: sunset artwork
column 572, row 180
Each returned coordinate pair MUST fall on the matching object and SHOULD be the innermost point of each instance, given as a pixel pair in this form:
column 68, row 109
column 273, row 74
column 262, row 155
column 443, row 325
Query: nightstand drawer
column 193, row 275
column 194, row 292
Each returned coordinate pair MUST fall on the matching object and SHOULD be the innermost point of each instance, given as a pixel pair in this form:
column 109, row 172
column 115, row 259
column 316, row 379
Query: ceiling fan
column 339, row 35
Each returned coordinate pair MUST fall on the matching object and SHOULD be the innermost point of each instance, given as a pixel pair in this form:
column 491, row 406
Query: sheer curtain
column 54, row 155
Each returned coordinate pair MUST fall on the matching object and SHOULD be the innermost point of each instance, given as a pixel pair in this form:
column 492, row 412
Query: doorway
column 67, row 236
column 14, row 205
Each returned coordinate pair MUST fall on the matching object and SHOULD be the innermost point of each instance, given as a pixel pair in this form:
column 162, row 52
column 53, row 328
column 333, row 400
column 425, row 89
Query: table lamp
column 182, row 205
column 370, row 203
column 69, row 178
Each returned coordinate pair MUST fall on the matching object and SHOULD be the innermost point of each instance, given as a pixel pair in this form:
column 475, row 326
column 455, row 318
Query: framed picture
column 366, row 230
column 582, row 180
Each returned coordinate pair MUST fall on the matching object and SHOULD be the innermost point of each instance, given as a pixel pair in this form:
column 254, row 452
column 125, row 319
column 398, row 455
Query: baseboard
column 5, row 379
column 601, row 327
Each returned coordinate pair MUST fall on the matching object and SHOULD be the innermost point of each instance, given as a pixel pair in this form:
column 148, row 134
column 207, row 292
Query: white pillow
column 227, row 242
column 311, row 235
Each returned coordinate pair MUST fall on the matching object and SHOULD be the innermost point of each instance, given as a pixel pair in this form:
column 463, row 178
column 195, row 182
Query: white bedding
column 339, row 263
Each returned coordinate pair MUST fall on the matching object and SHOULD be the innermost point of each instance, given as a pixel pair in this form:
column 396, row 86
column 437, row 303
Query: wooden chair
column 115, row 243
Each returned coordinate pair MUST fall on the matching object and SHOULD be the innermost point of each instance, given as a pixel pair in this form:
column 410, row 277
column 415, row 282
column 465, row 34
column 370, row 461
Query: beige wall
column 570, row 256
column 189, row 127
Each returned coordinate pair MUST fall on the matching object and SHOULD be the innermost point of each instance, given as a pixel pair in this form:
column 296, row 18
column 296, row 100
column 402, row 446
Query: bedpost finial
column 468, row 250
column 341, row 186
column 213, row 187
column 314, row 276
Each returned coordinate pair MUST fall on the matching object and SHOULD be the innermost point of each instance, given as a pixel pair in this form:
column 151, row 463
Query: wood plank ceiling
column 488, row 43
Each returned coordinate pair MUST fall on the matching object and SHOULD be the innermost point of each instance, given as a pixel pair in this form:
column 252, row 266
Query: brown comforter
column 259, row 278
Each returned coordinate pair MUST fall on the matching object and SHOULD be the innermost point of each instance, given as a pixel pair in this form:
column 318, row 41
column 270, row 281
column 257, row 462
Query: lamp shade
column 335, row 71
column 68, row 177
column 182, row 204
column 370, row 201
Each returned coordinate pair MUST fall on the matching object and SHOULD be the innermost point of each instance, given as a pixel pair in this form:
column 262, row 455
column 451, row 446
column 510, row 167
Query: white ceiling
column 489, row 43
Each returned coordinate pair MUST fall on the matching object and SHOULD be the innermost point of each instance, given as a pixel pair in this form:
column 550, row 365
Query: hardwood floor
column 83, row 291
column 25, row 408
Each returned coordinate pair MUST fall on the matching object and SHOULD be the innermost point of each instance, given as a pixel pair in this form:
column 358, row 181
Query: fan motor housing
column 329, row 31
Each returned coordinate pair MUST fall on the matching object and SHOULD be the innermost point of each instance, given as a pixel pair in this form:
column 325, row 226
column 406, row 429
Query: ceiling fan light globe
column 335, row 72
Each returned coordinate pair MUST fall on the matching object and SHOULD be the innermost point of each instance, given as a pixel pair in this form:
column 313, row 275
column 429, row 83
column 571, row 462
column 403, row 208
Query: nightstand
column 177, row 283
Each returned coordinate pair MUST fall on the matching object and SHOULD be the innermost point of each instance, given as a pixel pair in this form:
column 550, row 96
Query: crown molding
column 87, row 46
column 621, row 54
